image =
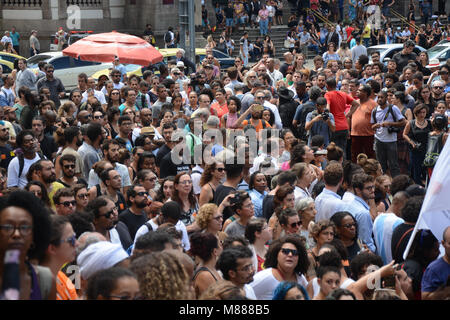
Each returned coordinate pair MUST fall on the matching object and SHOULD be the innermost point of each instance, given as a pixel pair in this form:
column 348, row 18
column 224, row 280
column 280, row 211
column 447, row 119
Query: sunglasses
column 98, row 117
column 108, row 214
column 115, row 93
column 142, row 194
column 349, row 225
column 83, row 196
column 220, row 169
column 296, row 224
column 289, row 251
column 69, row 166
column 72, row 240
column 438, row 87
column 69, row 203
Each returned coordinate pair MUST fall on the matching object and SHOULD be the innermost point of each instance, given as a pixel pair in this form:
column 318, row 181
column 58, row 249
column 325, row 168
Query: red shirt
column 337, row 100
column 220, row 109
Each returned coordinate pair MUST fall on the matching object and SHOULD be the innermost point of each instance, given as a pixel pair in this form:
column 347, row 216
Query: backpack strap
column 149, row 226
column 401, row 239
column 391, row 110
column 21, row 163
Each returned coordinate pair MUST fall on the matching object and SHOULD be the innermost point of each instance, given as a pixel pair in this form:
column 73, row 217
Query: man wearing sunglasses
column 64, row 202
column 68, row 165
column 134, row 217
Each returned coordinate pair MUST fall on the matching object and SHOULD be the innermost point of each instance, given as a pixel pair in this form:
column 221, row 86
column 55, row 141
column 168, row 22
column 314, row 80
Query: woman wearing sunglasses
column 81, row 197
column 211, row 178
column 60, row 251
column 286, row 260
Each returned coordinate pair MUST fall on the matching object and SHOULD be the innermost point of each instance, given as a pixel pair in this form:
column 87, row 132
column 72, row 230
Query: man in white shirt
column 329, row 202
column 91, row 91
column 272, row 72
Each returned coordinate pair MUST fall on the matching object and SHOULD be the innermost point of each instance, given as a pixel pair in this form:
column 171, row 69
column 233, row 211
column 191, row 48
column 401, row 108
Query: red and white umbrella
column 104, row 47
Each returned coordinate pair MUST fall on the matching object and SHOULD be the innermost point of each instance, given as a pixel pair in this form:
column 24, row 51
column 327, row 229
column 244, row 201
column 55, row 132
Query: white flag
column 435, row 213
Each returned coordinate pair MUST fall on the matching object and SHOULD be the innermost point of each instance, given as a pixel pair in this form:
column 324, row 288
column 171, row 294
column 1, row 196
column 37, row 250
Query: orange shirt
column 65, row 290
column 219, row 109
column 361, row 119
column 259, row 126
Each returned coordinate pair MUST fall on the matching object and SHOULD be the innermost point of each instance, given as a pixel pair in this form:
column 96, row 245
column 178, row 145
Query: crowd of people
column 275, row 181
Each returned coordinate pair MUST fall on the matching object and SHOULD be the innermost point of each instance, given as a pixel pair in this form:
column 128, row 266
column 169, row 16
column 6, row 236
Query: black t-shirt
column 48, row 146
column 221, row 193
column 124, row 235
column 267, row 206
column 132, row 221
column 229, row 12
column 161, row 153
column 403, row 59
column 6, row 156
column 397, row 246
column 169, row 168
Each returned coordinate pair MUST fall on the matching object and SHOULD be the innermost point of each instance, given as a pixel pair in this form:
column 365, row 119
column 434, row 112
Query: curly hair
column 282, row 193
column 370, row 166
column 317, row 228
column 203, row 244
column 275, row 247
column 105, row 281
column 41, row 220
column 207, row 174
column 205, row 214
column 161, row 276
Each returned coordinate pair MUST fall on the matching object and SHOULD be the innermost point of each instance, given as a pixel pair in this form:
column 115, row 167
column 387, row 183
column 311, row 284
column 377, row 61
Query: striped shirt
column 383, row 227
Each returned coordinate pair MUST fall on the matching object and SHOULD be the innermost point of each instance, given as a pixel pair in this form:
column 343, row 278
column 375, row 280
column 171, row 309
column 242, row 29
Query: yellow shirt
column 366, row 32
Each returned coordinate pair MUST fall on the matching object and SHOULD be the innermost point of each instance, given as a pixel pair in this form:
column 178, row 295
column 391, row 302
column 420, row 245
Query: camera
column 325, row 115
column 394, row 130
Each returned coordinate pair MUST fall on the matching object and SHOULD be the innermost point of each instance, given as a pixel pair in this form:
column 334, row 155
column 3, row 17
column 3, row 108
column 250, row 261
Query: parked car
column 67, row 69
column 11, row 57
column 7, row 66
column 387, row 51
column 441, row 51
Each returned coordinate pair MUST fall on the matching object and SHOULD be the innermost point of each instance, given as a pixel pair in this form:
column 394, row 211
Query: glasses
column 115, row 93
column 69, row 203
column 220, row 169
column 69, row 166
column 370, row 188
column 289, row 251
column 109, row 214
column 252, row 76
column 296, row 224
column 349, row 225
column 436, row 87
column 8, row 229
column 71, row 240
column 5, row 129
column 87, row 117
column 98, row 117
column 142, row 194
column 218, row 218
column 50, row 71
column 259, row 98
column 83, row 196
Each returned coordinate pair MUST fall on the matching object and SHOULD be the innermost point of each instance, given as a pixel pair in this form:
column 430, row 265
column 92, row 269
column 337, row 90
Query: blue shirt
column 327, row 204
column 361, row 212
column 435, row 275
column 257, row 199
column 383, row 227
column 15, row 38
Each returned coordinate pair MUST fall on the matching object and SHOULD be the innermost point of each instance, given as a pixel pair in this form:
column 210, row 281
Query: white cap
column 180, row 64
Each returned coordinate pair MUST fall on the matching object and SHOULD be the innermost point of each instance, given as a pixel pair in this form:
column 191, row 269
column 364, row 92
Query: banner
column 435, row 212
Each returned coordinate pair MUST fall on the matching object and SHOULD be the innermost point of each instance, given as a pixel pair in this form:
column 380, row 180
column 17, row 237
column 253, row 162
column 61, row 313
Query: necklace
column 421, row 123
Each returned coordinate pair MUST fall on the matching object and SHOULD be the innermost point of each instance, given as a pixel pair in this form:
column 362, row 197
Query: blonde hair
column 205, row 214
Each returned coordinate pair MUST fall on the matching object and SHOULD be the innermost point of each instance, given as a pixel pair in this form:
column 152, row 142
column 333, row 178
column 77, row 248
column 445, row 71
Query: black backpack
column 302, row 133
column 167, row 37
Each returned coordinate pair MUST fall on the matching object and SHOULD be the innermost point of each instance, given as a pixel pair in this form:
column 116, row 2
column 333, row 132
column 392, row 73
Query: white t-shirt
column 120, row 168
column 264, row 284
column 114, row 236
column 299, row 193
column 249, row 293
column 13, row 172
column 179, row 226
column 195, row 176
column 98, row 94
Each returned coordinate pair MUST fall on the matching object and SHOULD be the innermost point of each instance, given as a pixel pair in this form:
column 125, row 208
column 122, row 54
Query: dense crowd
column 271, row 181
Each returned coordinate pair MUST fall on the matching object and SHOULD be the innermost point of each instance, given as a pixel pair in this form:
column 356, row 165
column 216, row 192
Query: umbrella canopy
column 104, row 47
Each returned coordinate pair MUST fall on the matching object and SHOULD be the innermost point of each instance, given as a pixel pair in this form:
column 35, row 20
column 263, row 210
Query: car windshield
column 33, row 61
column 433, row 52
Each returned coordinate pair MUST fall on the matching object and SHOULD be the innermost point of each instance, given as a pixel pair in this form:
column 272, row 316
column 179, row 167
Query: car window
column 391, row 53
column 81, row 63
column 219, row 55
column 446, row 55
column 6, row 69
column 435, row 51
column 61, row 63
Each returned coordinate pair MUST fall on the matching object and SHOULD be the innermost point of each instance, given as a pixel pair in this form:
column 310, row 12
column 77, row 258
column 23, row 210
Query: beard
column 50, row 179
column 141, row 205
column 79, row 142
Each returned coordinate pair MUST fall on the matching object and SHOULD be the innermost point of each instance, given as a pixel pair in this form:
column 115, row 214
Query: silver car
column 387, row 51
column 441, row 51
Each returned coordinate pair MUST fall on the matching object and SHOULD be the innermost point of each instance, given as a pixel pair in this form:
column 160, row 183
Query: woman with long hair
column 400, row 101
column 209, row 219
column 258, row 233
column 211, row 178
column 425, row 97
column 183, row 194
column 113, row 115
column 114, row 99
column 330, row 54
column 347, row 232
column 268, row 47
column 165, row 192
column 206, row 248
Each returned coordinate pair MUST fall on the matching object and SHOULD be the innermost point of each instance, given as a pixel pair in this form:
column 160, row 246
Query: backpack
column 149, row 226
column 167, row 37
column 434, row 148
column 302, row 133
column 391, row 111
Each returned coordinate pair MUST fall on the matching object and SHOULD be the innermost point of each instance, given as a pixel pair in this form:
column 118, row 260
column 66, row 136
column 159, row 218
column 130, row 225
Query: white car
column 387, row 51
column 441, row 51
column 67, row 69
